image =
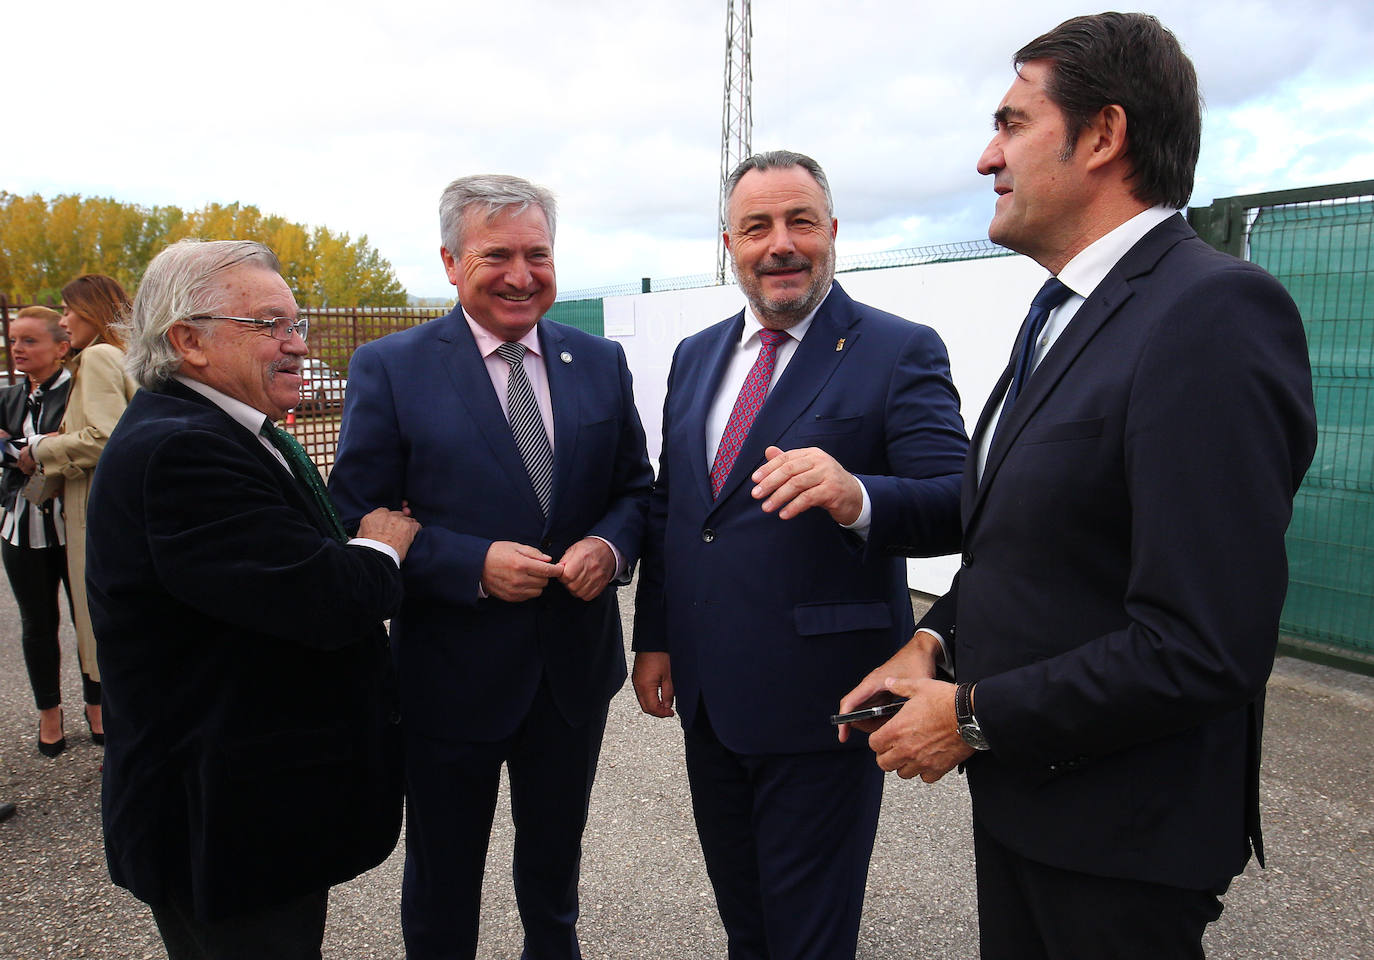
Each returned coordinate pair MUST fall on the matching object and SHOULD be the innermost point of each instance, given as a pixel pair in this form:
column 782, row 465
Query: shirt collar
column 251, row 418
column 1090, row 267
column 752, row 326
column 487, row 342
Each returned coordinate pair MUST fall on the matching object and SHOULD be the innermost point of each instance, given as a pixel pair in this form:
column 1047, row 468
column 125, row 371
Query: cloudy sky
column 355, row 114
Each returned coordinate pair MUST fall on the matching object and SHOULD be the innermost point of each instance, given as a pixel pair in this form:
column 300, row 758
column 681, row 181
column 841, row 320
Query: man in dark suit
column 515, row 440
column 773, row 567
column 252, row 754
column 1116, row 612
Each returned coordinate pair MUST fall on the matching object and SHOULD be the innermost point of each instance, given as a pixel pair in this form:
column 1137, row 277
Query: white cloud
column 355, row 115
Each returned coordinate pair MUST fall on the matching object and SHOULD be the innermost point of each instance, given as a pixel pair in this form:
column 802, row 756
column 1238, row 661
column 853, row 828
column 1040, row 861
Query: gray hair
column 491, row 193
column 781, row 160
column 181, row 282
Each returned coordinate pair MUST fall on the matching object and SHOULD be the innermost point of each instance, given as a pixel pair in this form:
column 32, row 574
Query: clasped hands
column 922, row 738
column 516, row 571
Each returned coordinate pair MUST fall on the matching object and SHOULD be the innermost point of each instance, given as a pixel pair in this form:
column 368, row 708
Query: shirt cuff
column 619, row 560
column 378, row 546
column 943, row 660
column 865, row 519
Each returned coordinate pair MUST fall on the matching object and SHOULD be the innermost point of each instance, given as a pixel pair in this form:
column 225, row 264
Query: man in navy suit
column 252, row 756
column 809, row 443
column 1115, row 616
column 516, row 442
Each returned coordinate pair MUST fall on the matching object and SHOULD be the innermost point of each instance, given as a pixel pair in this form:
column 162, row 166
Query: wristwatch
column 968, row 723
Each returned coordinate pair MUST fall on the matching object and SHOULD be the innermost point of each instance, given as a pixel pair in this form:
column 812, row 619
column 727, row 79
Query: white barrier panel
column 975, row 305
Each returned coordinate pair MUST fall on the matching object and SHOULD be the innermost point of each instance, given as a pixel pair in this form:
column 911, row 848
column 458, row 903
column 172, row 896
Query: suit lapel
column 807, row 373
column 296, row 495
column 717, row 358
column 1111, row 294
column 563, row 399
column 472, row 392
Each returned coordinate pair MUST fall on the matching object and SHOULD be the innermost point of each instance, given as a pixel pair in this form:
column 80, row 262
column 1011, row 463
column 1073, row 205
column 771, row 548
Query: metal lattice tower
column 737, row 114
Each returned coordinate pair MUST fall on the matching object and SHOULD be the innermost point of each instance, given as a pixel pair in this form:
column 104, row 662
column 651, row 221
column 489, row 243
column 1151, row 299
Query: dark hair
column 781, row 160
column 102, row 301
column 1134, row 61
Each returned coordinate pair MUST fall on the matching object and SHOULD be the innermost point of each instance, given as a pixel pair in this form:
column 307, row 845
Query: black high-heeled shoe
column 53, row 749
column 95, row 737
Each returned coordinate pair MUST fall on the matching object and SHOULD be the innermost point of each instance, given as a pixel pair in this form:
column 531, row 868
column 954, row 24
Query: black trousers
column 35, row 575
column 1031, row 911
column 451, row 792
column 787, row 839
column 288, row 931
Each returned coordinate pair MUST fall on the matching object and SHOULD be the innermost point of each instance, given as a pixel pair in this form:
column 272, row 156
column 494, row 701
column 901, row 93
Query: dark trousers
column 290, row 931
column 451, row 791
column 1031, row 911
column 787, row 840
column 35, row 576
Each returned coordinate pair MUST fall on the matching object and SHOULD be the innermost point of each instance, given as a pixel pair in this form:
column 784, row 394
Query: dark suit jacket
column 1124, row 568
column 252, row 753
column 771, row 621
column 422, row 424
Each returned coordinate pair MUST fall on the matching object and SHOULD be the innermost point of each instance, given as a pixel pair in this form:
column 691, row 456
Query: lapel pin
column 839, row 344
column 565, row 356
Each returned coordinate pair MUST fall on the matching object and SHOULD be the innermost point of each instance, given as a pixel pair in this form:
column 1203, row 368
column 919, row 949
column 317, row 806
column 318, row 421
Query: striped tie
column 526, row 424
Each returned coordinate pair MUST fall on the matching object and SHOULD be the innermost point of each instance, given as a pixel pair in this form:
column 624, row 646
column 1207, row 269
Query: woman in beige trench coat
column 91, row 304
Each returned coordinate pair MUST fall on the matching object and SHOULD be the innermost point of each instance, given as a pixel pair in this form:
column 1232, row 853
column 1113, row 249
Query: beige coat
column 100, row 392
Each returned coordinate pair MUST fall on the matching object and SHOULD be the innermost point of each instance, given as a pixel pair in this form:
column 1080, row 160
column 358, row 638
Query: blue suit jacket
column 771, row 621
column 1124, row 569
column 252, row 749
column 423, row 425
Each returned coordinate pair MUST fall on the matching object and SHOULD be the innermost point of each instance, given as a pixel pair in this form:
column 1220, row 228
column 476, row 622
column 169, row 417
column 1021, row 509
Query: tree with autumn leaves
column 46, row 243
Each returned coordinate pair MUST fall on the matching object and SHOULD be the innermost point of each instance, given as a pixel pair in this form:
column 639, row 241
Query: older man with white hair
column 252, row 731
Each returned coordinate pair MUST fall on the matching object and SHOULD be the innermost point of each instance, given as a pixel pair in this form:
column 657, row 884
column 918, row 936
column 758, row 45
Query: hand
column 653, row 682
column 588, row 566
column 516, row 571
column 915, row 660
column 27, row 464
column 391, row 527
column 922, row 739
column 4, row 434
column 797, row 480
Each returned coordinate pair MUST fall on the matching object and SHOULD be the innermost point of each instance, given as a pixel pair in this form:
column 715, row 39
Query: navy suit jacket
column 252, row 751
column 1124, row 568
column 423, row 425
column 771, row 621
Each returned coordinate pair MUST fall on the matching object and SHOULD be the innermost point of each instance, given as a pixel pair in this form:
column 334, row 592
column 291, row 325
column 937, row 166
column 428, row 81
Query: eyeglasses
column 281, row 328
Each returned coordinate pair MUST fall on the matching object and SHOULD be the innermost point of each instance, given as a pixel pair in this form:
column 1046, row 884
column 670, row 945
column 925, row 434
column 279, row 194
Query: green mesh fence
column 583, row 314
column 1322, row 253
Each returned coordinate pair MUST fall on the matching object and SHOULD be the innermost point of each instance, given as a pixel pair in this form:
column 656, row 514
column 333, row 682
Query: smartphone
column 869, row 713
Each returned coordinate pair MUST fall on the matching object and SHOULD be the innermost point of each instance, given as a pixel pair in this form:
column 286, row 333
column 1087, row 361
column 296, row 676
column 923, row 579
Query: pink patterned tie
column 747, row 406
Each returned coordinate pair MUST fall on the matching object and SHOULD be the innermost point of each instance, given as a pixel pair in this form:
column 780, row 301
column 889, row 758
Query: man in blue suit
column 809, row 443
column 1116, row 612
column 515, row 441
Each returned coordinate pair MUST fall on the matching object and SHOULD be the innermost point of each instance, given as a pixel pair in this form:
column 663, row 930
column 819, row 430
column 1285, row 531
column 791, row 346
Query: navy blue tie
column 1051, row 295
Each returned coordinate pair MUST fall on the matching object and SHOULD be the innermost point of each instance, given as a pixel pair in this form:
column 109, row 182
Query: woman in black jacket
column 32, row 535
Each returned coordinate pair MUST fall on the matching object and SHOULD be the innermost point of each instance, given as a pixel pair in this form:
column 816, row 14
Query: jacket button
column 545, row 544
column 708, row 535
column 966, row 560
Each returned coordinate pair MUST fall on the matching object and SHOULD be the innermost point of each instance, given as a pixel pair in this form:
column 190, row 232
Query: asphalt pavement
column 644, row 888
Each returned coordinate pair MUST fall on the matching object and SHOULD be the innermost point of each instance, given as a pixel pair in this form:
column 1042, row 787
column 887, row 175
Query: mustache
column 794, row 262
column 286, row 365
